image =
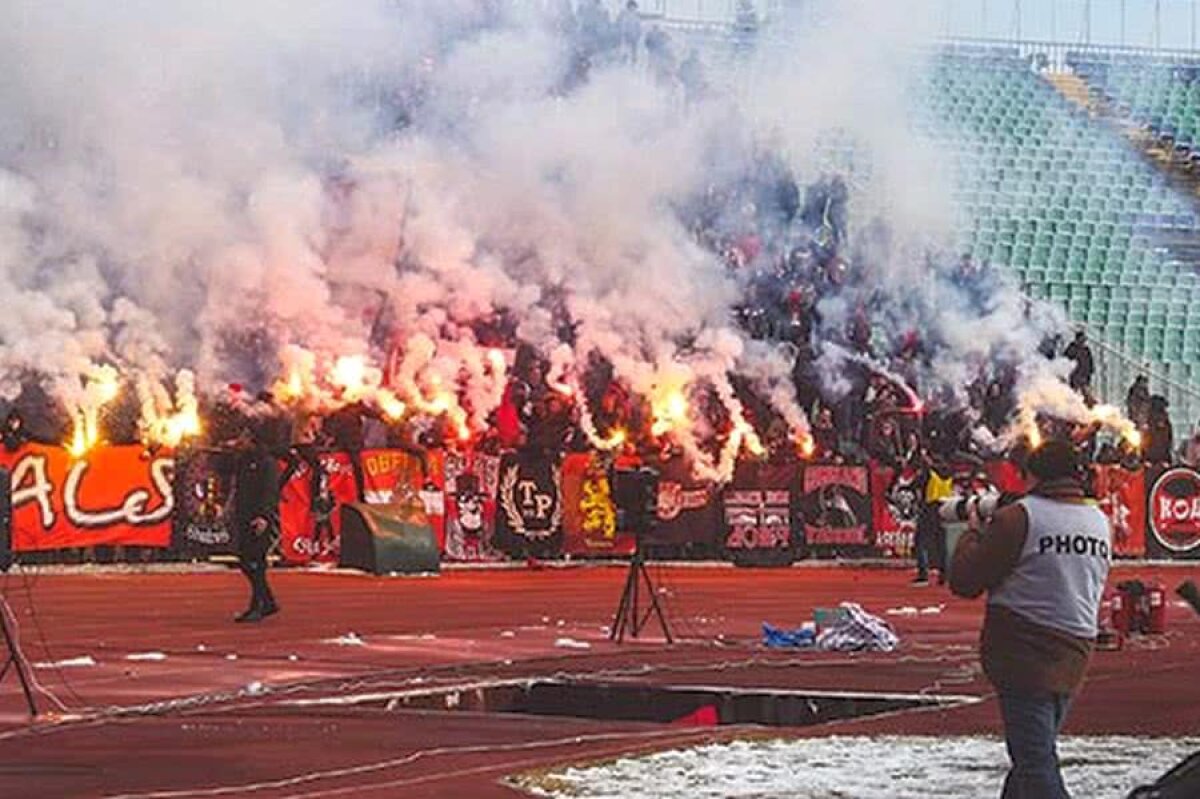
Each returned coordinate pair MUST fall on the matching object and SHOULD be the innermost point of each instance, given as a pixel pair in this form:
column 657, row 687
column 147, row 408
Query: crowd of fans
column 788, row 247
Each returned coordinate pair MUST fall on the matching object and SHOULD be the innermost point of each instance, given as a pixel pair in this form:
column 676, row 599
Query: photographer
column 1043, row 561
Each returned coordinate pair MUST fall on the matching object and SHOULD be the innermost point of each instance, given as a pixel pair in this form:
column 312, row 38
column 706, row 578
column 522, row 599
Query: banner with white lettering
column 110, row 496
column 759, row 515
column 530, row 505
column 835, row 503
column 1173, row 513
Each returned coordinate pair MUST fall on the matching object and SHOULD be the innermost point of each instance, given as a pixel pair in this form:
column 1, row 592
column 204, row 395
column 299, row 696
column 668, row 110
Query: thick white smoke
column 258, row 191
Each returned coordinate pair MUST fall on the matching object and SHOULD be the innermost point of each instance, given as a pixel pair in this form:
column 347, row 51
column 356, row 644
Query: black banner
column 835, row 504
column 204, row 504
column 1172, row 513
column 529, row 505
column 759, row 513
column 688, row 512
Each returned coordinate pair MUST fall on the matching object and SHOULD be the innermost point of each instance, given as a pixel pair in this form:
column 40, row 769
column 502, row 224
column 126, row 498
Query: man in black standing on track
column 256, row 518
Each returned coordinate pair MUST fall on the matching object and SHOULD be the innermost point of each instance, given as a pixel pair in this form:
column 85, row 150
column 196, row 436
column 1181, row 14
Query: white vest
column 1060, row 575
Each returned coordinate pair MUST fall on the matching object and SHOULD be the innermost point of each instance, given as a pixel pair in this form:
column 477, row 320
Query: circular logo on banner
column 1175, row 509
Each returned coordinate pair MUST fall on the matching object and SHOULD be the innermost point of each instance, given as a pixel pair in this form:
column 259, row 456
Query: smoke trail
column 359, row 203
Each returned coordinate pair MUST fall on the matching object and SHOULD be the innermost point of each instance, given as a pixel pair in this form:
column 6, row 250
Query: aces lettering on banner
column 114, row 495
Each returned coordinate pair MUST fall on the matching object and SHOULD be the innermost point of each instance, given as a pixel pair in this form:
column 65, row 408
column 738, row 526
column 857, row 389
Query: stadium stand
column 1163, row 95
column 1064, row 200
column 1051, row 188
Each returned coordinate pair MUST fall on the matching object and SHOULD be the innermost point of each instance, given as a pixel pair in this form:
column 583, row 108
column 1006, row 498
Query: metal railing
column 1055, row 56
column 1116, row 370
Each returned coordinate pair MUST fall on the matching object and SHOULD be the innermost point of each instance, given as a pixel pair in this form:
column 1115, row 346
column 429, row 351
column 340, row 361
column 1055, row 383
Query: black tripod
column 636, row 495
column 629, row 615
column 15, row 661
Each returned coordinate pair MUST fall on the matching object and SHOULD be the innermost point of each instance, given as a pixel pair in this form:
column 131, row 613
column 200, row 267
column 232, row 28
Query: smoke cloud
column 253, row 191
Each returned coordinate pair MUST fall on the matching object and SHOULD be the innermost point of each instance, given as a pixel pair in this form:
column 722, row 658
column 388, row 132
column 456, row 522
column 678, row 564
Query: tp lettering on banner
column 391, row 475
column 204, row 494
column 112, row 496
column 895, row 508
column 472, row 482
column 688, row 511
column 758, row 514
column 835, row 504
column 1121, row 494
column 589, row 513
column 310, row 505
column 530, row 506
column 1173, row 513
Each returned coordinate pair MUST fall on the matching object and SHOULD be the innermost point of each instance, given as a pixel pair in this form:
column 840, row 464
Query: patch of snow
column 70, row 663
column 886, row 767
column 149, row 656
column 349, row 639
column 571, row 643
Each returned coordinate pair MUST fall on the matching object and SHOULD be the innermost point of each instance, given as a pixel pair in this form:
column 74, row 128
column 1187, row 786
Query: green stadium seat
column 1066, row 203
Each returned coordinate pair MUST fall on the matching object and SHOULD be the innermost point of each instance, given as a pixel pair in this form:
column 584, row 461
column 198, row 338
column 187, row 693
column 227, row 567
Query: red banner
column 1006, row 476
column 1121, row 494
column 589, row 515
column 387, row 471
column 111, row 496
column 310, row 518
column 895, row 508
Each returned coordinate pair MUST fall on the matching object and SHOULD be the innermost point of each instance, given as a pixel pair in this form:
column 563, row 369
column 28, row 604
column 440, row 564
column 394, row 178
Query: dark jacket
column 1158, row 437
column 256, row 495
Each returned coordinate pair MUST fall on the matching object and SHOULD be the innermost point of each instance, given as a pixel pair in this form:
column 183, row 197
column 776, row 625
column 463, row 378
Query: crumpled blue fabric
column 788, row 639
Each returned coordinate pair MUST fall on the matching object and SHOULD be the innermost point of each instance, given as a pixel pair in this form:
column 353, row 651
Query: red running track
column 231, row 718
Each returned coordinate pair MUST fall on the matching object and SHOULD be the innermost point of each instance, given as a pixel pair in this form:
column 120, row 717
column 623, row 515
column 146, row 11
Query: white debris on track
column 349, row 639
column 886, row 767
column 571, row 643
column 146, row 656
column 69, row 663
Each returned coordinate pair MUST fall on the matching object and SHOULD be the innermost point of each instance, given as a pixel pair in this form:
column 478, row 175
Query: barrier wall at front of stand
column 120, row 503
